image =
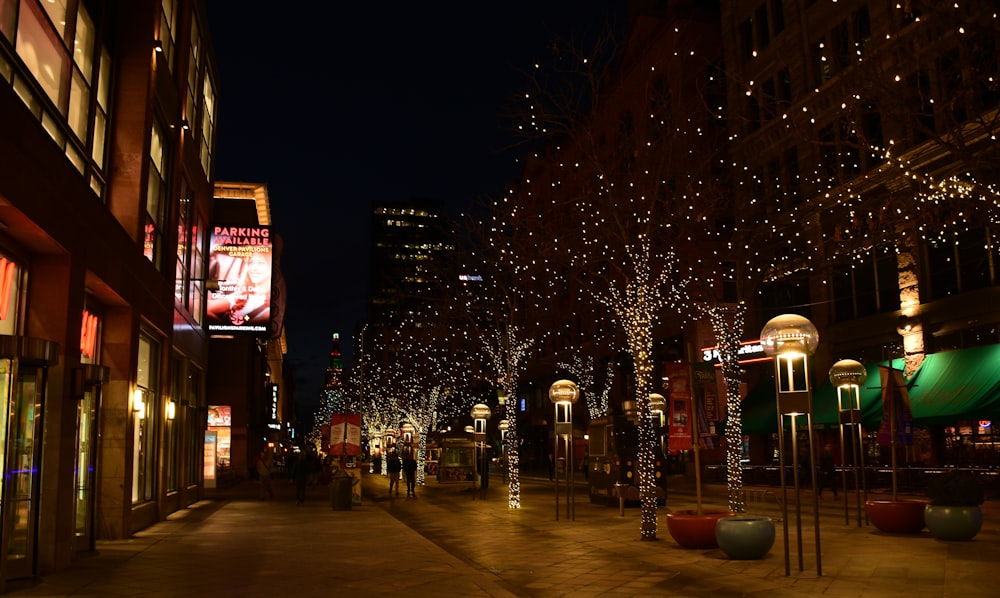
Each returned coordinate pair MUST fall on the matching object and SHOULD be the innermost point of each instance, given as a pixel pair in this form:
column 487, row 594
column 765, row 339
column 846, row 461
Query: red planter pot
column 896, row 516
column 691, row 530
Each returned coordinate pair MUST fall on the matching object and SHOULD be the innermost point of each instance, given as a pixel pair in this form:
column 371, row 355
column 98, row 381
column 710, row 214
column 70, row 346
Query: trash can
column 340, row 491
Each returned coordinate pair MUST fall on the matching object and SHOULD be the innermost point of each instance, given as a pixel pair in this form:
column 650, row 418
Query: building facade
column 246, row 384
column 108, row 110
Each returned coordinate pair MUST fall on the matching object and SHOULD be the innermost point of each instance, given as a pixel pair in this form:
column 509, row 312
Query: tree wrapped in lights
column 584, row 371
column 620, row 183
column 428, row 375
column 504, row 294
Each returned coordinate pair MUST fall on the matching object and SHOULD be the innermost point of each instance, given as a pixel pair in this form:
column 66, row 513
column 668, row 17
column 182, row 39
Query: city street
column 449, row 541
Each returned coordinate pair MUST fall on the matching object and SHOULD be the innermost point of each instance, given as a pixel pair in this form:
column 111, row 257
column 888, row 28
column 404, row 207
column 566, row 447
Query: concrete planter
column 745, row 537
column 953, row 523
column 896, row 516
column 693, row 530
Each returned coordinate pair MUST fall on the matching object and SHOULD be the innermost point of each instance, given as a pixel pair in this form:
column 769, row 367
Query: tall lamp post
column 480, row 413
column 847, row 376
column 563, row 393
column 791, row 339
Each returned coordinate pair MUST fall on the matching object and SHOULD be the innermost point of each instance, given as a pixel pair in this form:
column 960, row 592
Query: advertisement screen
column 240, row 260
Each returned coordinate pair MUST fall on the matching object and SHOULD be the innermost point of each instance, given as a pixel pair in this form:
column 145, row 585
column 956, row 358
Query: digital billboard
column 240, row 259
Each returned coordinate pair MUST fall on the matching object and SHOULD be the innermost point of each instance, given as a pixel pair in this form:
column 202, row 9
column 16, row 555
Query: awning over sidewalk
column 760, row 415
column 948, row 387
column 957, row 385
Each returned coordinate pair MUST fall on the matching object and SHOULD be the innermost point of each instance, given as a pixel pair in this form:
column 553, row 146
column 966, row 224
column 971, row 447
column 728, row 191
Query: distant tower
column 335, row 370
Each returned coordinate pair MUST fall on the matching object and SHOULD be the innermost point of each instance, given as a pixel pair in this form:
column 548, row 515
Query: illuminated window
column 194, row 71
column 64, row 63
column 168, row 30
column 156, row 194
column 207, row 119
column 145, row 416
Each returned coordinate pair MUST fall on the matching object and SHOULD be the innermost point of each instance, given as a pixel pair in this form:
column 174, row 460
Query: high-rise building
column 335, row 369
column 410, row 243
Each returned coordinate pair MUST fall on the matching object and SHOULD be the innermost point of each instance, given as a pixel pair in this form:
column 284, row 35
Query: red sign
column 88, row 335
column 679, row 408
column 7, row 270
column 345, row 434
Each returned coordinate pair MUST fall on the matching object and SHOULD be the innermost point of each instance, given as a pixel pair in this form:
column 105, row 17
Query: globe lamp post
column 563, row 393
column 480, row 413
column 847, row 376
column 791, row 339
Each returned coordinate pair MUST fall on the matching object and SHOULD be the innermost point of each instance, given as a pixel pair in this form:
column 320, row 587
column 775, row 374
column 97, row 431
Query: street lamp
column 847, row 376
column 563, row 393
column 791, row 339
column 480, row 413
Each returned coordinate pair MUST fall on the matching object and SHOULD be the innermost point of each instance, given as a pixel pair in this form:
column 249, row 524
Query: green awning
column 760, row 414
column 948, row 387
column 956, row 385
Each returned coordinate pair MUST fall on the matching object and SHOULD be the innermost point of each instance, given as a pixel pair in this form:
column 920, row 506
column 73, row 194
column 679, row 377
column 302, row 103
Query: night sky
column 337, row 105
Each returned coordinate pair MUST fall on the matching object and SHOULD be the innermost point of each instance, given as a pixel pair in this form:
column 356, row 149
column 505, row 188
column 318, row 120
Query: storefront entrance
column 89, row 379
column 23, row 370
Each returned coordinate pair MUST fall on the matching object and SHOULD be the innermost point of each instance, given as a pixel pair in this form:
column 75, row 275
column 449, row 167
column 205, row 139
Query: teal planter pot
column 745, row 537
column 953, row 523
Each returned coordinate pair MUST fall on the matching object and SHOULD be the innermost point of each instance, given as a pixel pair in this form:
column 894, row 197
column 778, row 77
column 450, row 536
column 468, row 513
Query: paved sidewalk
column 449, row 541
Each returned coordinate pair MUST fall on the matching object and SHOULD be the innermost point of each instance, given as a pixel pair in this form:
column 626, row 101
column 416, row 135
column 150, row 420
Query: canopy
column 957, row 385
column 948, row 387
column 760, row 415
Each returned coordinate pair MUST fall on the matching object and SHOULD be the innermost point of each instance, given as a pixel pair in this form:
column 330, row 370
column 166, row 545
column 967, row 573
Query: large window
column 867, row 285
column 65, row 65
column 189, row 268
column 168, row 31
column 195, row 422
column 207, row 118
column 194, row 72
column 177, row 388
column 156, row 194
column 145, row 414
column 961, row 263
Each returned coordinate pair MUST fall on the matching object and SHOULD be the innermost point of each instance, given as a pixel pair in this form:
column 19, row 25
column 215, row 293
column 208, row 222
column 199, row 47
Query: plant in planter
column 953, row 512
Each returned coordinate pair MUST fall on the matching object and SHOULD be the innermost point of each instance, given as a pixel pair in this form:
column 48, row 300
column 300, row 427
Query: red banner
column 896, row 412
column 345, row 434
column 679, row 408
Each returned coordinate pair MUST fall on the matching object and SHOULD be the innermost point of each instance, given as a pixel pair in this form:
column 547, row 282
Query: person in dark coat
column 410, row 473
column 393, row 466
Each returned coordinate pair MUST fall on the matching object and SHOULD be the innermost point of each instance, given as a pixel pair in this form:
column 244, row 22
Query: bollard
column 340, row 491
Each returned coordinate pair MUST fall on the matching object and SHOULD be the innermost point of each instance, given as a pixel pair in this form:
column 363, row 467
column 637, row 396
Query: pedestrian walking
column 393, row 466
column 263, row 465
column 301, row 470
column 410, row 473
